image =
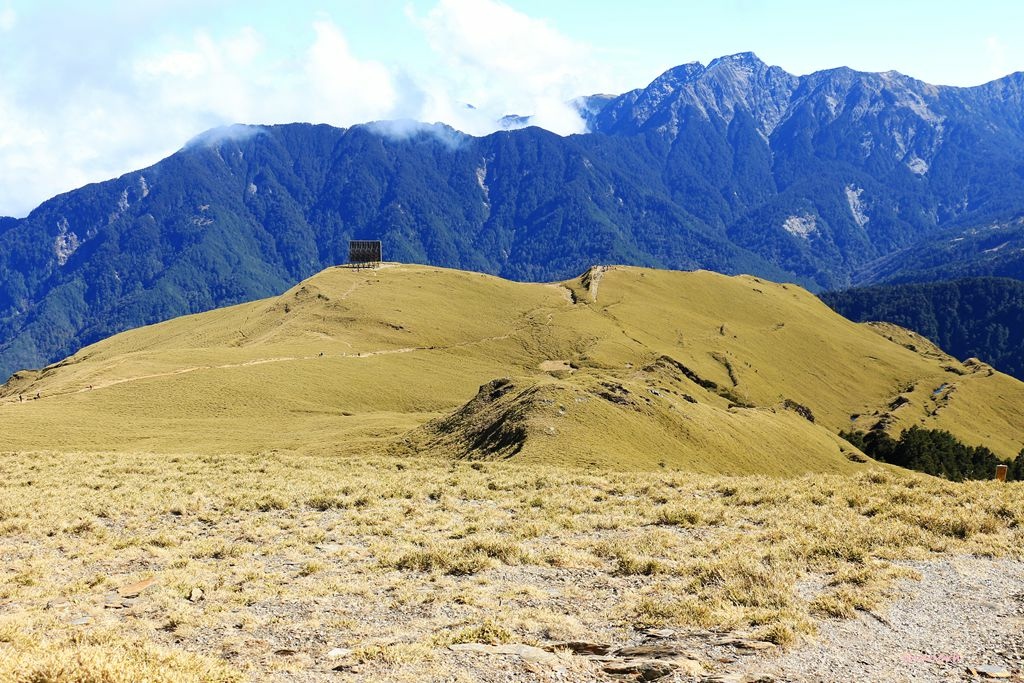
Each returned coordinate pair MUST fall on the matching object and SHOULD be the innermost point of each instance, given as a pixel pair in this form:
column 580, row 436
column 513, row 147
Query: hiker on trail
column 21, row 398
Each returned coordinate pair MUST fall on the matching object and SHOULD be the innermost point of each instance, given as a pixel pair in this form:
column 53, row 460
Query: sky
column 91, row 90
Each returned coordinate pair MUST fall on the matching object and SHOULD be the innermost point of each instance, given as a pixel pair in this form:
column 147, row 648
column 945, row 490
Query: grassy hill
column 626, row 367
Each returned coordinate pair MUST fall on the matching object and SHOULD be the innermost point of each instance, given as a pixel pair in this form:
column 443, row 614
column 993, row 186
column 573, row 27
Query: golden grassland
column 393, row 461
column 394, row 559
column 625, row 367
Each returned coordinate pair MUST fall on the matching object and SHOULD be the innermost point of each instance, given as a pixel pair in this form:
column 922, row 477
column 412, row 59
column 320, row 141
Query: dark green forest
column 988, row 250
column 972, row 317
column 936, row 452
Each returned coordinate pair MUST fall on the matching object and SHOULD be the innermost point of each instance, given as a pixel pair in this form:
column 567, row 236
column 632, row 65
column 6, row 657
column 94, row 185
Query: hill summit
column 624, row 366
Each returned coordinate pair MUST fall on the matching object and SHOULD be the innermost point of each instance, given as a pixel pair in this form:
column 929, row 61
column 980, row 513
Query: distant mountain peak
column 734, row 82
column 744, row 58
column 693, row 71
column 771, row 95
column 684, row 73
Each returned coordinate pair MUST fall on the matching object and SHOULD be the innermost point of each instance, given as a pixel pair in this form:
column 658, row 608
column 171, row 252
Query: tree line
column 979, row 317
column 935, row 452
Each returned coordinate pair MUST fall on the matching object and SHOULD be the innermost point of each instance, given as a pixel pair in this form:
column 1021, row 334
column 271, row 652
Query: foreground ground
column 302, row 568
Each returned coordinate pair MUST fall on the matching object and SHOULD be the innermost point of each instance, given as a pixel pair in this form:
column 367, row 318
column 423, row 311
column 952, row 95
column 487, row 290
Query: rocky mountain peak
column 770, row 95
column 679, row 75
column 742, row 59
column 734, row 82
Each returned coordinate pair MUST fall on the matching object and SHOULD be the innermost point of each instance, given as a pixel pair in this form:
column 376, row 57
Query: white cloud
column 344, row 89
column 8, row 18
column 157, row 101
column 502, row 62
column 210, row 79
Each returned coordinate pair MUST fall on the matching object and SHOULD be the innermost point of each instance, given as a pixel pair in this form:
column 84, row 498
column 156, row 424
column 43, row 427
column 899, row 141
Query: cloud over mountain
column 86, row 98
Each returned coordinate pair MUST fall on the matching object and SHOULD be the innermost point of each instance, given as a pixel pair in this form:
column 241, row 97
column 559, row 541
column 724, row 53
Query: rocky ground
column 962, row 621
column 329, row 570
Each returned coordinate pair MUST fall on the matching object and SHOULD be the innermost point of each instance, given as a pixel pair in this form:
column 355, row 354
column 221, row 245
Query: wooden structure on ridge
column 365, row 253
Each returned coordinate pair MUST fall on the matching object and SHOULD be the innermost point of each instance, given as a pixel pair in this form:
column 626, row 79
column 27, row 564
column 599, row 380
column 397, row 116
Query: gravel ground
column 963, row 621
column 964, row 613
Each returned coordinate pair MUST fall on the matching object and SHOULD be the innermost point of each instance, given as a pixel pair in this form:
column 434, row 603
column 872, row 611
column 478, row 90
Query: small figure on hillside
column 21, row 398
column 37, row 395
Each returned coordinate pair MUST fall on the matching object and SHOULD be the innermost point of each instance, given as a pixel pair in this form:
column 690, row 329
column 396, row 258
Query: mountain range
column 828, row 179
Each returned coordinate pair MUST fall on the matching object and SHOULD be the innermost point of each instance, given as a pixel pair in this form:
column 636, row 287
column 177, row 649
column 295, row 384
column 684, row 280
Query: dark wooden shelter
column 365, row 253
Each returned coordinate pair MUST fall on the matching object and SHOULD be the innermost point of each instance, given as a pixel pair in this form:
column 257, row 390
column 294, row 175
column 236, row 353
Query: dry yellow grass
column 322, row 470
column 394, row 559
column 691, row 370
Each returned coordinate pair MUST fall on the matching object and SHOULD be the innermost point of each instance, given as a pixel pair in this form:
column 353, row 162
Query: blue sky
column 92, row 90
